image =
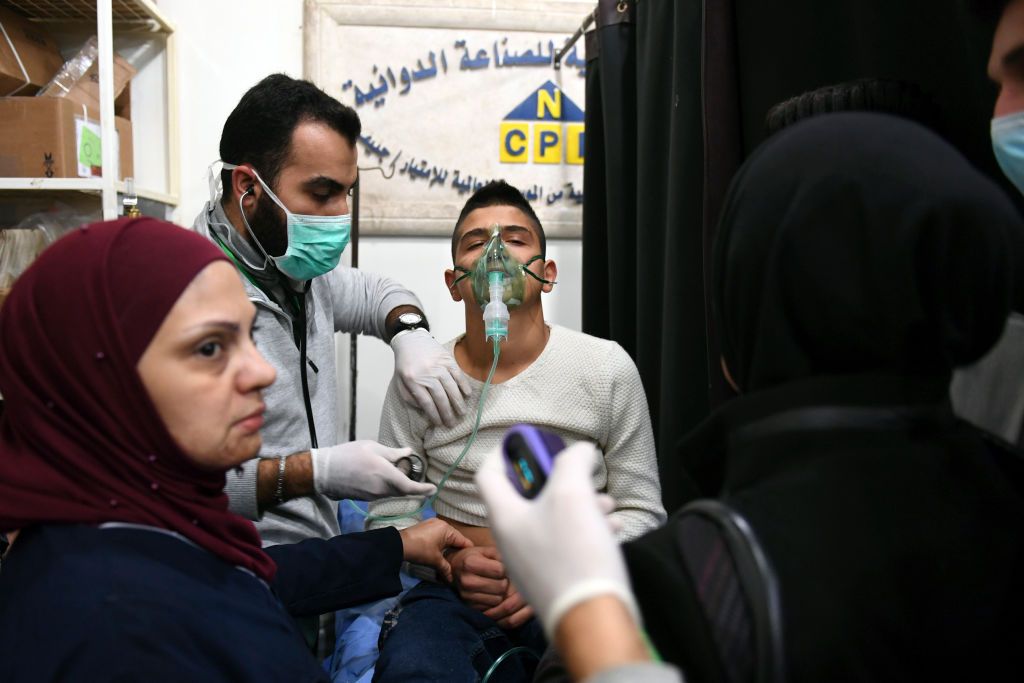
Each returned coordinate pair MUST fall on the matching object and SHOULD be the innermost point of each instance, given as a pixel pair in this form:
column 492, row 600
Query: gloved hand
column 429, row 378
column 363, row 470
column 558, row 548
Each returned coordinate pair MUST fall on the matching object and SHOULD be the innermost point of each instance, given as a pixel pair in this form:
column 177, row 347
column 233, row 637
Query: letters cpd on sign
column 546, row 128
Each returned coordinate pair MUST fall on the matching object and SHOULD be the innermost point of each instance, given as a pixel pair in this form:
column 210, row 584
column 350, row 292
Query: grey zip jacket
column 344, row 300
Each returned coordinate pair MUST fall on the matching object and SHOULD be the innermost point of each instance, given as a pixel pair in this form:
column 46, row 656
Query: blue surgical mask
column 315, row 243
column 1008, row 144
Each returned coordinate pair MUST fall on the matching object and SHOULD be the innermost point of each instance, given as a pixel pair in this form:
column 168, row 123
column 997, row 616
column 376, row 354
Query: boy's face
column 519, row 235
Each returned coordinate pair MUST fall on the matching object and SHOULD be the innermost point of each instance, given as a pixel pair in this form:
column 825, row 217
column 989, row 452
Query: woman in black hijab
column 859, row 260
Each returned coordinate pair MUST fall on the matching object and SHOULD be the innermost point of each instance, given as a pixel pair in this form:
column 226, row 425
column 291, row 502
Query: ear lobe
column 551, row 274
column 449, row 282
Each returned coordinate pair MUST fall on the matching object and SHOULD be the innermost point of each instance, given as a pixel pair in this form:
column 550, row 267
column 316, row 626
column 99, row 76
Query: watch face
column 410, row 318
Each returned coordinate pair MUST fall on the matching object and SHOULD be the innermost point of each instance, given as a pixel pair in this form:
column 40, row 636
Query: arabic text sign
column 446, row 110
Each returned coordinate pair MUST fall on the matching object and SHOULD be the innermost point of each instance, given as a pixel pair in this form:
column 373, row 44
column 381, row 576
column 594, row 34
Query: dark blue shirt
column 125, row 603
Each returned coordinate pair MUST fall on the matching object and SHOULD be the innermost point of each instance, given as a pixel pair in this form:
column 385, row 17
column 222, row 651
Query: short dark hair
column 259, row 129
column 499, row 193
column 887, row 96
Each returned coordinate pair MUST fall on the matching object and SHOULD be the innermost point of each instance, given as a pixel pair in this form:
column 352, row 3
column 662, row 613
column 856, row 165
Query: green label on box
column 90, row 148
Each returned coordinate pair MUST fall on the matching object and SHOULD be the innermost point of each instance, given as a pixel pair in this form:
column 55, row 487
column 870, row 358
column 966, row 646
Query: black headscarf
column 860, row 243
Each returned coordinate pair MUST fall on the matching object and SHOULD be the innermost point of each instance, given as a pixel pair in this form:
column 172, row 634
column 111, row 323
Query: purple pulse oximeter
column 529, row 456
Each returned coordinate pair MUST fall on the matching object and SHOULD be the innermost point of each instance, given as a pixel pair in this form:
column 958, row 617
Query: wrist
column 408, row 332
column 296, row 483
column 403, row 318
column 597, row 634
column 408, row 543
column 584, row 592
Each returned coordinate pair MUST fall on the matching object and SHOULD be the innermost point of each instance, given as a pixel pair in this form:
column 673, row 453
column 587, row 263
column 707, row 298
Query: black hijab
column 855, row 243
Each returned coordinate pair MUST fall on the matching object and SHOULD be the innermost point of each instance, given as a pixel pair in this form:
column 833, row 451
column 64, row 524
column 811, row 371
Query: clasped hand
column 479, row 578
column 430, row 543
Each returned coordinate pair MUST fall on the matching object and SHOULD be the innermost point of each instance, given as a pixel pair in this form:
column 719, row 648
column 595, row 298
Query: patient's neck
column 527, row 336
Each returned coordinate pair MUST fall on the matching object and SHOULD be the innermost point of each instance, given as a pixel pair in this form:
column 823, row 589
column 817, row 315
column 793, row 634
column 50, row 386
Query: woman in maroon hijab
column 132, row 385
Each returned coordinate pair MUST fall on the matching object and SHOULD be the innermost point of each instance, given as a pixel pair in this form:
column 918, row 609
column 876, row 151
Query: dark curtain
column 784, row 49
column 644, row 235
column 677, row 94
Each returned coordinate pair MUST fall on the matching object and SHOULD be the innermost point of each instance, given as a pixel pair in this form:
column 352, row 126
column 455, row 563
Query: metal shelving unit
column 136, row 17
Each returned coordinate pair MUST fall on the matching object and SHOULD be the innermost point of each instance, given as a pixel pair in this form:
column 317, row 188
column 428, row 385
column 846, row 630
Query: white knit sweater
column 581, row 388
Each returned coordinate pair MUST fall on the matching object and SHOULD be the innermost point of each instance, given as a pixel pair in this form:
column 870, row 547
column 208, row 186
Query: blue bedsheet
column 358, row 628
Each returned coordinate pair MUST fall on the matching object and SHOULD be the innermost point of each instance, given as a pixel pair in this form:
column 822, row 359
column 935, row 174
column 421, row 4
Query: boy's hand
column 513, row 611
column 479, row 577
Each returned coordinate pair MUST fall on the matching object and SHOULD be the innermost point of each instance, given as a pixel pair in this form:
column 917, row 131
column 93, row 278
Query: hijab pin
column 113, row 502
column 100, row 355
column 154, row 486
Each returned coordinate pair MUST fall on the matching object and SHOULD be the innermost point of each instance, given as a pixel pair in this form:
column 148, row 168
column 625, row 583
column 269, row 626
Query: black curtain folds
column 677, row 93
column 644, row 239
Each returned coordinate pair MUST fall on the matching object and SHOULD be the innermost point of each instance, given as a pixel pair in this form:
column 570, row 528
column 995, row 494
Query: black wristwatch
column 408, row 321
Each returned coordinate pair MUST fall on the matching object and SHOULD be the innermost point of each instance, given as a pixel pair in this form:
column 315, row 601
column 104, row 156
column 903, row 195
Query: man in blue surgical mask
column 990, row 393
column 282, row 215
column 1006, row 68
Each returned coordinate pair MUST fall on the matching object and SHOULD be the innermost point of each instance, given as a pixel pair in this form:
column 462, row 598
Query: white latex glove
column 429, row 378
column 558, row 548
column 363, row 470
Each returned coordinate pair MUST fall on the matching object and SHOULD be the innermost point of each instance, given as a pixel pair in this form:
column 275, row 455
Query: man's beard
column 268, row 226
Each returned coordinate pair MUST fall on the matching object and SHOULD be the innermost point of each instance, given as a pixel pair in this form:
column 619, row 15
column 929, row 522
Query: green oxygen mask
column 499, row 283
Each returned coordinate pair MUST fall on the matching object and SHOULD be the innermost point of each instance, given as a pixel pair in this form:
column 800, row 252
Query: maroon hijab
column 80, row 440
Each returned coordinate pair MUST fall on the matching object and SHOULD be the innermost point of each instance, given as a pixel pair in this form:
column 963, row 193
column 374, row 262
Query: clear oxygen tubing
column 522, row 649
column 458, row 460
column 505, row 655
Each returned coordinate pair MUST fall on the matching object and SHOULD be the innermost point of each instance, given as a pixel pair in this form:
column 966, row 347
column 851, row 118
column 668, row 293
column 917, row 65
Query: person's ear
column 450, row 276
column 550, row 274
column 244, row 186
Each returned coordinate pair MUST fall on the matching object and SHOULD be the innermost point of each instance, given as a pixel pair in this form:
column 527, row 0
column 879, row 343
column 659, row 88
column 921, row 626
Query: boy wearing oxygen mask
column 577, row 386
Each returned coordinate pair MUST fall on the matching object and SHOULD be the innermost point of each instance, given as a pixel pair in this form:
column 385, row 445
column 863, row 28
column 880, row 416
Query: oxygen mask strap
column 466, row 272
column 526, row 269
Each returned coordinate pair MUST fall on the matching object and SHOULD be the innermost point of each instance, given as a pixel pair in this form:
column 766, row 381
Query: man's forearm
column 297, row 481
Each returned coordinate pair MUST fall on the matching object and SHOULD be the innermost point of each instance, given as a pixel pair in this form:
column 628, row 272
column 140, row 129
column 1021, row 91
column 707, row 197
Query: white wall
column 224, row 48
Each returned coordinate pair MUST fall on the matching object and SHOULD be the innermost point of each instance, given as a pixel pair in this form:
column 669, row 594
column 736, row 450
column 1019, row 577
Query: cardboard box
column 87, row 90
column 34, row 47
column 123, row 103
column 42, row 137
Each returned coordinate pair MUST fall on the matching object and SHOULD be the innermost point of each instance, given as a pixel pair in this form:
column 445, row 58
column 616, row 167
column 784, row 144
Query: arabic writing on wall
column 436, row 176
column 545, row 128
column 386, row 80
